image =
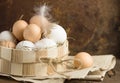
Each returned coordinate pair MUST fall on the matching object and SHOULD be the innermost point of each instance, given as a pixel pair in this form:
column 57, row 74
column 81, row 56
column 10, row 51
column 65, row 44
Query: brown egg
column 18, row 28
column 8, row 44
column 83, row 60
column 41, row 21
column 32, row 33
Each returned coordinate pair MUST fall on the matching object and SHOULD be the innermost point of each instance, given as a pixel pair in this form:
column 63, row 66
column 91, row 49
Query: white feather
column 44, row 17
column 44, row 10
column 7, row 35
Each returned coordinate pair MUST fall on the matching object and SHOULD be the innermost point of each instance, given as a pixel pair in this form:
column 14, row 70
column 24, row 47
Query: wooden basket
column 28, row 63
column 20, row 56
column 5, row 66
column 5, row 53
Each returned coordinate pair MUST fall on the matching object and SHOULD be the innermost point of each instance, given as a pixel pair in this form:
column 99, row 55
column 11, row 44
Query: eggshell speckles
column 25, row 45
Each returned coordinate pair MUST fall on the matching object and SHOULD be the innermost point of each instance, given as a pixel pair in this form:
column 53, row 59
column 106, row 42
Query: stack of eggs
column 39, row 33
column 31, row 41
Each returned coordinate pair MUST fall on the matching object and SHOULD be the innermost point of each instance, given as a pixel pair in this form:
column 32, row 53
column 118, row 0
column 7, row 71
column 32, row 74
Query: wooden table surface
column 108, row 79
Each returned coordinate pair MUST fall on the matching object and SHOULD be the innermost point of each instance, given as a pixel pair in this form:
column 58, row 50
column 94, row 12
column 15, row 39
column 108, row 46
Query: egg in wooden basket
column 25, row 45
column 7, row 44
column 18, row 28
column 32, row 33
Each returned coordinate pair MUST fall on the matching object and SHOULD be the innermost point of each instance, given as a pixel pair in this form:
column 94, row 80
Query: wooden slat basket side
column 27, row 63
column 20, row 56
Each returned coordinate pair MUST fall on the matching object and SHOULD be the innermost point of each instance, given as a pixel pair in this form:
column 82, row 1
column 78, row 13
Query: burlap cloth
column 102, row 64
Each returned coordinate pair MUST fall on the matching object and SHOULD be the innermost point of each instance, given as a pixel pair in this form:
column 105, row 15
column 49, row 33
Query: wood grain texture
column 113, row 79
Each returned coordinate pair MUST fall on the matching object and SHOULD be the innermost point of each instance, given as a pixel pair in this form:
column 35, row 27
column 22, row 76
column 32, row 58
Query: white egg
column 57, row 33
column 7, row 35
column 45, row 43
column 25, row 45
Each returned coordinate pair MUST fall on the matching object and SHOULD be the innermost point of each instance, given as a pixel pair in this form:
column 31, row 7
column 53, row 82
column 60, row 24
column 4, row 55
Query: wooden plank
column 5, row 53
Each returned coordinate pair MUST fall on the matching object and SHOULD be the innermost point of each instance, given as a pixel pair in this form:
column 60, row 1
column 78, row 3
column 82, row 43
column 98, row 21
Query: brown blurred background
column 91, row 25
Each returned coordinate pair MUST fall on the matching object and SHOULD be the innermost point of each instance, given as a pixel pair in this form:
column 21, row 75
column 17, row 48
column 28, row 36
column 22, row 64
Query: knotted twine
column 67, row 62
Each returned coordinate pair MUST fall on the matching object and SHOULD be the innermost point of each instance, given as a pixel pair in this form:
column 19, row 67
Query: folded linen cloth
column 102, row 64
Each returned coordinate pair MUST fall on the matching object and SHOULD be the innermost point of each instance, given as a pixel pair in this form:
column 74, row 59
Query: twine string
column 67, row 62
